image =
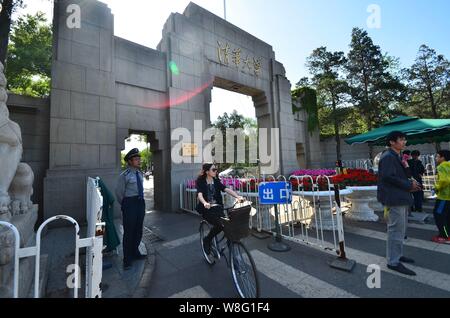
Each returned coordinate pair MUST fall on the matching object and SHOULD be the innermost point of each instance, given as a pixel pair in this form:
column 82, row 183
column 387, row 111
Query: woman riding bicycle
column 210, row 206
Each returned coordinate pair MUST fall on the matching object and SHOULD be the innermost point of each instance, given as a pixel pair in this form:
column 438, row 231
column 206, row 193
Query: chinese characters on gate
column 235, row 57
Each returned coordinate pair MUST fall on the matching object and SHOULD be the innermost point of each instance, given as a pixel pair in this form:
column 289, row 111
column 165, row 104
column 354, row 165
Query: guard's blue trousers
column 133, row 212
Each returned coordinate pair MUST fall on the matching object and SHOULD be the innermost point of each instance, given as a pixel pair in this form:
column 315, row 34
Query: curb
column 149, row 267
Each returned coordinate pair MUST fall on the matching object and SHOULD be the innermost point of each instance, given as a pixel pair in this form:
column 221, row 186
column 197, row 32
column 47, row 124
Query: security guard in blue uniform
column 130, row 195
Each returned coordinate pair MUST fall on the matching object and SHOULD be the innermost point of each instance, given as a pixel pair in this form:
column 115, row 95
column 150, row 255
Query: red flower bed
column 356, row 177
column 305, row 184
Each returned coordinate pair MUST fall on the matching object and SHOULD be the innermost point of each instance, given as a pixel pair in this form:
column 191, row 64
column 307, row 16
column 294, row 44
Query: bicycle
column 239, row 260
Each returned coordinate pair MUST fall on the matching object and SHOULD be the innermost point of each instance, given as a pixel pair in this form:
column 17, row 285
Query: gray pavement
column 302, row 272
column 176, row 268
column 59, row 245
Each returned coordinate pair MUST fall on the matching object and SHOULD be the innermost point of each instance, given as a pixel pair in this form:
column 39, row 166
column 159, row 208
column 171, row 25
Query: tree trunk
column 433, row 103
column 367, row 108
column 5, row 27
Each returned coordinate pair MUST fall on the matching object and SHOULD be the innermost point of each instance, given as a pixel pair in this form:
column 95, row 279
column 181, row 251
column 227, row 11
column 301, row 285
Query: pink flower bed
column 314, row 173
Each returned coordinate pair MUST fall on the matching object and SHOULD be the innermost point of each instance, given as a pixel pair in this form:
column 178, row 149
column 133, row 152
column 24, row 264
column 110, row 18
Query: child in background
column 442, row 208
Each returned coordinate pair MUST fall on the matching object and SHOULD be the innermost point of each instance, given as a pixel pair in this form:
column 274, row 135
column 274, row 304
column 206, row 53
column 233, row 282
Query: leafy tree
column 327, row 69
column 8, row 8
column 28, row 67
column 429, row 85
column 374, row 87
column 123, row 164
column 234, row 121
column 307, row 98
column 146, row 159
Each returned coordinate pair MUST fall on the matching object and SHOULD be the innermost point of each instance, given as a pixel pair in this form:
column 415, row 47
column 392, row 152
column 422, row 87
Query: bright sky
column 295, row 27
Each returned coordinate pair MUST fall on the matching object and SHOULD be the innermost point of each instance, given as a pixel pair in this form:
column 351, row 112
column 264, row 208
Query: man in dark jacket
column 394, row 192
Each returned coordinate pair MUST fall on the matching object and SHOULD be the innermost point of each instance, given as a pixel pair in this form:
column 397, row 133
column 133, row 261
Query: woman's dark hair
column 407, row 152
column 445, row 154
column 394, row 136
column 205, row 169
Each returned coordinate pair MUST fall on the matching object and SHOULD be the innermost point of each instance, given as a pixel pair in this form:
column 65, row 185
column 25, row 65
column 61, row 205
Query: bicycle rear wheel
column 204, row 230
column 243, row 270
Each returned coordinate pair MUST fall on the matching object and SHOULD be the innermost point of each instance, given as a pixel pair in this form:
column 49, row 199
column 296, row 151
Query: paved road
column 302, row 272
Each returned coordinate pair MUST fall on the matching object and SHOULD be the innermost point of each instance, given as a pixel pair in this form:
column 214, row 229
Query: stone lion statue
column 16, row 182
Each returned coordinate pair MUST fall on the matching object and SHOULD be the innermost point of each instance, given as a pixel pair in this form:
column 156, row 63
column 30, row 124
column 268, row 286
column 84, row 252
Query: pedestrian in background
column 441, row 210
column 417, row 170
column 394, row 192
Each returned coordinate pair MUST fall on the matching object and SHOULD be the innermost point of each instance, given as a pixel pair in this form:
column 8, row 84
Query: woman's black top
column 212, row 193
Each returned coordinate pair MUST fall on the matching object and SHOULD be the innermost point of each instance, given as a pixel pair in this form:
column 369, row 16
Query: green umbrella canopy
column 418, row 131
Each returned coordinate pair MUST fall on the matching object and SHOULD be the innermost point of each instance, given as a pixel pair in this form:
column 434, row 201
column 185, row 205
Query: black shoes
column 207, row 246
column 402, row 269
column 406, row 260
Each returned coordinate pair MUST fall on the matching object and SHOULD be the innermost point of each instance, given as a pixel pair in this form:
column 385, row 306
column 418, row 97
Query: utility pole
column 225, row 9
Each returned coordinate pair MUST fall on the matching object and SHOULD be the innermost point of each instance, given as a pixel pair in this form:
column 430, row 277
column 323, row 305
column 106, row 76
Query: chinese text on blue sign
column 275, row 193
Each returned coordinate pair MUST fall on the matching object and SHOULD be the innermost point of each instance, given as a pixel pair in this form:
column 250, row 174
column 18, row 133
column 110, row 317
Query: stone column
column 284, row 118
column 83, row 108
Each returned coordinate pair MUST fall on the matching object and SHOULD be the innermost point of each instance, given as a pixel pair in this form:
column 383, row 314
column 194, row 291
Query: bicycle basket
column 236, row 226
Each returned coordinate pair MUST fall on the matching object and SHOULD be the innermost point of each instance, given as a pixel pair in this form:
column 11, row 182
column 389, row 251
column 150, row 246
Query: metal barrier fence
column 429, row 178
column 94, row 245
column 366, row 164
column 313, row 218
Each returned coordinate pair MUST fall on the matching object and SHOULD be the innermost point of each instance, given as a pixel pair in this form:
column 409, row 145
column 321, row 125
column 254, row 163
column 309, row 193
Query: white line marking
column 295, row 280
column 431, row 246
column 194, row 292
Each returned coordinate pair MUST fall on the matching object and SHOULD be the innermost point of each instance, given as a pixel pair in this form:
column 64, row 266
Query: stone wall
column 141, row 98
column 310, row 141
column 33, row 117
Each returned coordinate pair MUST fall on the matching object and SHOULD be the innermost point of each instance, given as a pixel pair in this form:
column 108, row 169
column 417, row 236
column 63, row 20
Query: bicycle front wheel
column 243, row 270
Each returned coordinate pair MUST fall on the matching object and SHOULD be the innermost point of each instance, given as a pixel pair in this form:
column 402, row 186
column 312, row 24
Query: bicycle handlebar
column 231, row 207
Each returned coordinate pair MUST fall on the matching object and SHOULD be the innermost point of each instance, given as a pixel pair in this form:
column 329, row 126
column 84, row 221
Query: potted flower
column 364, row 191
column 355, row 178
